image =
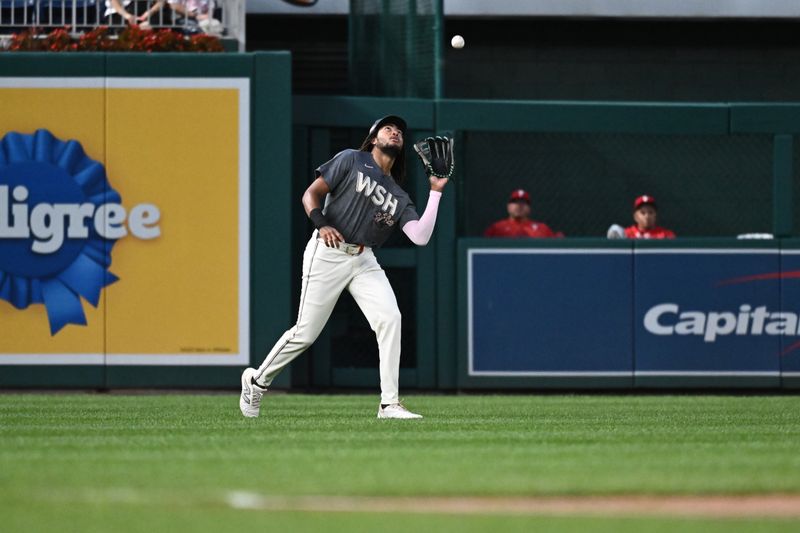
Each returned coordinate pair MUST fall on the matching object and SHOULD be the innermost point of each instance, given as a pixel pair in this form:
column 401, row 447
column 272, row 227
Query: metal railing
column 223, row 18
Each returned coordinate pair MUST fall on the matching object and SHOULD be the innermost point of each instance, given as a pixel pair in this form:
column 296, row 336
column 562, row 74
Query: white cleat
column 396, row 410
column 250, row 399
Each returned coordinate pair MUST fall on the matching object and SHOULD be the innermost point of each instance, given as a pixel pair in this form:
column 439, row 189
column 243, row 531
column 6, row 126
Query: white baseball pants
column 326, row 273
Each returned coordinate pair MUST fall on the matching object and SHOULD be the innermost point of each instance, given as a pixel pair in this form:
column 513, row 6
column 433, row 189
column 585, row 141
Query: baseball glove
column 436, row 154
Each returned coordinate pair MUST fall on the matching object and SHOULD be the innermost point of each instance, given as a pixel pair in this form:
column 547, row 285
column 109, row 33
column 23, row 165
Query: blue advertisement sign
column 709, row 312
column 550, row 312
column 790, row 302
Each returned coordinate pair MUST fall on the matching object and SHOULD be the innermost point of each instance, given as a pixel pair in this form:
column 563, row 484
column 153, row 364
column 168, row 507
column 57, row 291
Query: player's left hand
column 436, row 154
column 437, row 183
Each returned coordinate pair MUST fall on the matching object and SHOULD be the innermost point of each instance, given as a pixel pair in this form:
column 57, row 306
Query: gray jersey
column 364, row 204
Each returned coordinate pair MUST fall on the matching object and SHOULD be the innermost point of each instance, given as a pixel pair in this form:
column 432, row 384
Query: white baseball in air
column 457, row 41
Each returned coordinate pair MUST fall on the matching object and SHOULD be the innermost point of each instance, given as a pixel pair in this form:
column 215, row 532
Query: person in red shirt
column 645, row 214
column 518, row 224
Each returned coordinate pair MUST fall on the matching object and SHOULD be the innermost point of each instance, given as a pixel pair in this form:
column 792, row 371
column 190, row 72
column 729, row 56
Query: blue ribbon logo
column 52, row 245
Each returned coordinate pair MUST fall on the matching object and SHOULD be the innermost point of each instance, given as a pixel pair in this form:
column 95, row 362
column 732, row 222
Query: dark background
column 569, row 59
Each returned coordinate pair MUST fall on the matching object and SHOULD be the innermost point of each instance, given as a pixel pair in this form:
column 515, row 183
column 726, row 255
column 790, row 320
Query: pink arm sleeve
column 420, row 231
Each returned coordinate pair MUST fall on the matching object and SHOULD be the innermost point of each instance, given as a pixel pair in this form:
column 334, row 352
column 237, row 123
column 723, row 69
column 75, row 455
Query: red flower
column 58, row 40
column 95, row 40
column 206, row 43
column 27, row 41
column 132, row 38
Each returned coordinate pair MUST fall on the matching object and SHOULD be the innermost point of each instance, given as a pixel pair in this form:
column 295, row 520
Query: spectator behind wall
column 142, row 11
column 645, row 216
column 196, row 16
column 518, row 223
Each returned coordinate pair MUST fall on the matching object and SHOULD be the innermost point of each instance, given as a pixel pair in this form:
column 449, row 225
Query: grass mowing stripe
column 466, row 445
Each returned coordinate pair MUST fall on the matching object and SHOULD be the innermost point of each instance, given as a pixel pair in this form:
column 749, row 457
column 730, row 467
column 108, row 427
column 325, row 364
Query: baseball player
column 518, row 223
column 355, row 203
column 645, row 214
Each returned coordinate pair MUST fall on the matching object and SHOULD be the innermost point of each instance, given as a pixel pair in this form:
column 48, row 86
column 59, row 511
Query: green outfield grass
column 113, row 462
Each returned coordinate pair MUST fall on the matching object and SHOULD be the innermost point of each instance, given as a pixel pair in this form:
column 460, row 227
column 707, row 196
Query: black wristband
column 317, row 218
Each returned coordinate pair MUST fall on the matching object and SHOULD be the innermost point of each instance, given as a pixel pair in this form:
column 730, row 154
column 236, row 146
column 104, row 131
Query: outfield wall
column 185, row 299
column 208, row 142
column 686, row 313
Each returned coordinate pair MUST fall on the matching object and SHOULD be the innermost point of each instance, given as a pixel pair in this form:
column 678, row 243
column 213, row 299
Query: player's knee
column 306, row 335
column 297, row 336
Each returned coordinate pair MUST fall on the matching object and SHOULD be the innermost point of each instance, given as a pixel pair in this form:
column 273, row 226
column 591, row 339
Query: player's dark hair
column 398, row 168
